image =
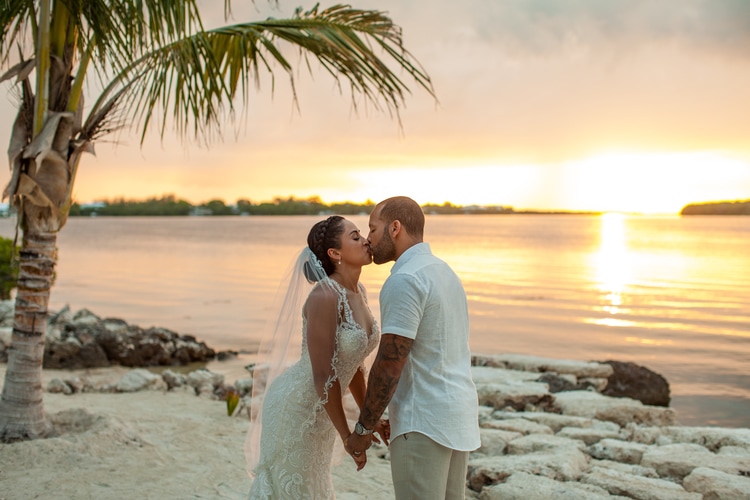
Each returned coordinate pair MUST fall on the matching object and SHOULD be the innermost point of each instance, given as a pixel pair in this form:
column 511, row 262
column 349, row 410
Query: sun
column 633, row 182
column 646, row 182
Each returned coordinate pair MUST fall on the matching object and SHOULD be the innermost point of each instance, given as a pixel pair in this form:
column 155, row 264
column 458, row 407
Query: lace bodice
column 297, row 437
column 351, row 339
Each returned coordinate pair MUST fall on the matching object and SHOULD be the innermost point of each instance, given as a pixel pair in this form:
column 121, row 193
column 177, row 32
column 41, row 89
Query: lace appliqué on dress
column 298, row 436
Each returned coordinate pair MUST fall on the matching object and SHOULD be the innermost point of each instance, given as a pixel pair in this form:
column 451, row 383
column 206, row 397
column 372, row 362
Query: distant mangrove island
column 718, row 208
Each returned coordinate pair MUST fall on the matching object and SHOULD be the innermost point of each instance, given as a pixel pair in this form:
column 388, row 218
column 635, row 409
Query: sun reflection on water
column 613, row 270
column 645, row 341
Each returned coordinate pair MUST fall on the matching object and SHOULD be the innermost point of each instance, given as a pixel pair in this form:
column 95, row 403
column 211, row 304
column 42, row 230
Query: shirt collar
column 411, row 252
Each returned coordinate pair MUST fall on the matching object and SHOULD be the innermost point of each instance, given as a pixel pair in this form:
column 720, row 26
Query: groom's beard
column 384, row 251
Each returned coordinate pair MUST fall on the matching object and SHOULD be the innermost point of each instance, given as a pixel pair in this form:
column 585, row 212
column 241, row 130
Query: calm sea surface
column 668, row 293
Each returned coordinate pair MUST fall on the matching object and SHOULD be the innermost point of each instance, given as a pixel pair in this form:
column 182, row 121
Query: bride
column 291, row 439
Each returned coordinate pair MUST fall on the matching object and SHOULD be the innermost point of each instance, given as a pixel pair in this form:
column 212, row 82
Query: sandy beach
column 147, row 445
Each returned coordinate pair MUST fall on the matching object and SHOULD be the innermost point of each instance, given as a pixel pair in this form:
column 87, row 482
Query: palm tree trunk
column 22, row 407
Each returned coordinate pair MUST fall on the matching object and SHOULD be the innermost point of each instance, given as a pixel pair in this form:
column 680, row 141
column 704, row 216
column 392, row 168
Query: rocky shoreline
column 584, row 444
column 81, row 339
column 550, row 428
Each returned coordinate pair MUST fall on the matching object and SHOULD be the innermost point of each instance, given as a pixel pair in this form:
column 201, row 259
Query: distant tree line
column 169, row 205
column 448, row 208
column 718, row 208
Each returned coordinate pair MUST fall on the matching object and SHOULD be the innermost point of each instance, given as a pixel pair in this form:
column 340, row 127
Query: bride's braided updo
column 324, row 235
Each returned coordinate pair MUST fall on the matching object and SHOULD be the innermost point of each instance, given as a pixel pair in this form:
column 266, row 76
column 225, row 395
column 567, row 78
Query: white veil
column 282, row 343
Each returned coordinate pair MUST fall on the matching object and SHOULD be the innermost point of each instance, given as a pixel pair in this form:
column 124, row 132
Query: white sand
column 148, row 445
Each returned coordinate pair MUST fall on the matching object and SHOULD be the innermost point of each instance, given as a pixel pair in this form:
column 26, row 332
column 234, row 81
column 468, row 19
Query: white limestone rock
column 6, row 333
column 679, row 460
column 621, row 411
column 114, row 325
column 64, row 315
column 625, row 452
column 638, row 487
column 140, row 379
column 173, row 379
column 599, row 384
column 85, row 317
column 204, row 381
column 564, row 464
column 7, row 310
column 513, row 394
column 556, row 422
column 54, row 332
column 714, row 484
column 636, row 470
column 520, row 425
column 524, row 486
column 606, row 426
column 734, row 451
column 539, row 364
column 495, row 441
column 57, row 386
column 588, row 436
column 485, row 414
column 244, row 386
column 494, row 375
column 713, row 438
column 541, row 442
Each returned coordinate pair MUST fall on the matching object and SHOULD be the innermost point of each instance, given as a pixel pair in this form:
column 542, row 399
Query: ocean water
column 670, row 293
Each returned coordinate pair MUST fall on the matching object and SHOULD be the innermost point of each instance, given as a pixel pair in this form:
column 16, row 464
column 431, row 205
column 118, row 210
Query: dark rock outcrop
column 637, row 382
column 84, row 340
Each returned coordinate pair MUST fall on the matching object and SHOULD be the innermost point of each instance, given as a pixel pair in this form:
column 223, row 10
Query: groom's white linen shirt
column 424, row 300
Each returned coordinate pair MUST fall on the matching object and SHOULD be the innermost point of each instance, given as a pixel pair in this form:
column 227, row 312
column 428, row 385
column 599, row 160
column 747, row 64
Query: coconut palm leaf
column 193, row 79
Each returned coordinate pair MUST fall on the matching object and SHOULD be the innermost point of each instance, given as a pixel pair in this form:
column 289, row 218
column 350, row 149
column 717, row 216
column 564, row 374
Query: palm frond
column 341, row 39
column 123, row 29
column 107, row 119
column 13, row 17
column 198, row 77
column 19, row 70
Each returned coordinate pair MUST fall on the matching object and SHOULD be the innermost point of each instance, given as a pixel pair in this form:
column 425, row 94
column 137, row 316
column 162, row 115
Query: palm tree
column 156, row 64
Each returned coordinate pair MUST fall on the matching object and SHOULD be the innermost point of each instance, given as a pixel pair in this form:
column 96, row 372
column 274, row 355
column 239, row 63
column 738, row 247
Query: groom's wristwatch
column 360, row 430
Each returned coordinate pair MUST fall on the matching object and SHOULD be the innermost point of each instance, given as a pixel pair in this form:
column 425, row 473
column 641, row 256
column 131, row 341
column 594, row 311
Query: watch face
column 360, row 429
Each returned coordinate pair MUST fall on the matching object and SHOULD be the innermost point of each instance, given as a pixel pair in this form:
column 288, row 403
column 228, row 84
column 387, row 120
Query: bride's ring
column 357, row 453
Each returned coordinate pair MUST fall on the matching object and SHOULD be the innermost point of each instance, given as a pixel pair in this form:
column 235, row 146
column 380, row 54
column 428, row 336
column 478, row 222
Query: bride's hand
column 360, row 458
column 383, row 427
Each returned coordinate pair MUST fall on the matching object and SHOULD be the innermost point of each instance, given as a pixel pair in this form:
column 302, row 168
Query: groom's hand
column 382, row 428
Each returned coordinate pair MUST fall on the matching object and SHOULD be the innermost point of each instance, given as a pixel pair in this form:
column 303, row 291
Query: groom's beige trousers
column 425, row 470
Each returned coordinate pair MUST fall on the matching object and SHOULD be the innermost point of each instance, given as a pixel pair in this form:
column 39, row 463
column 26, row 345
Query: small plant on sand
column 233, row 399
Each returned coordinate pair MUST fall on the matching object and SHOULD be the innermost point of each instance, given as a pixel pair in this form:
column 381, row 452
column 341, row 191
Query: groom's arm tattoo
column 384, row 376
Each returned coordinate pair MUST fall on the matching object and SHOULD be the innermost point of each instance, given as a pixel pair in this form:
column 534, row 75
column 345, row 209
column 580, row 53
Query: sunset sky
column 638, row 106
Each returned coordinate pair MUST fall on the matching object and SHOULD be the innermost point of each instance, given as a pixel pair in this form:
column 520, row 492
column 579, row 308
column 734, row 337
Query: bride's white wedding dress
column 297, row 440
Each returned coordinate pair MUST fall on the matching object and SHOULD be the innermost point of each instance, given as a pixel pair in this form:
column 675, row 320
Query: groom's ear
column 395, row 228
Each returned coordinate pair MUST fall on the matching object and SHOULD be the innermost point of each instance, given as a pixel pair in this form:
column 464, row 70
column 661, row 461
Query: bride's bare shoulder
column 322, row 295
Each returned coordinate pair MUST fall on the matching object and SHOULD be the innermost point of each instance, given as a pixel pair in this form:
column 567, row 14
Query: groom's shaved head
column 406, row 211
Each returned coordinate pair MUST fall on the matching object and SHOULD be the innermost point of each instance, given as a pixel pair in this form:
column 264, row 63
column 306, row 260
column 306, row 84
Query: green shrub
column 8, row 267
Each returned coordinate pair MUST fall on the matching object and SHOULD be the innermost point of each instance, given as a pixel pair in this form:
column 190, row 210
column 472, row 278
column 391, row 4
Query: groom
column 422, row 371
